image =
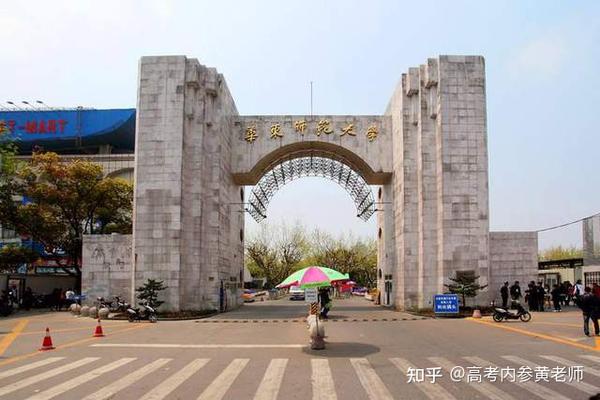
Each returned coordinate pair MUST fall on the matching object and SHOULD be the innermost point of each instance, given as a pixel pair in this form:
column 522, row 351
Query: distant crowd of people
column 57, row 300
column 538, row 296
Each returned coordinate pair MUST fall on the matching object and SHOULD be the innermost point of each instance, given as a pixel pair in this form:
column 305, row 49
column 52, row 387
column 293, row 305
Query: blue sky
column 542, row 60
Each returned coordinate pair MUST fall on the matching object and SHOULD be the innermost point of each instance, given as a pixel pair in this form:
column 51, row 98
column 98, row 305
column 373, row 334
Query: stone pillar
column 461, row 140
column 427, row 180
column 158, row 174
column 440, row 180
column 386, row 245
column 185, row 231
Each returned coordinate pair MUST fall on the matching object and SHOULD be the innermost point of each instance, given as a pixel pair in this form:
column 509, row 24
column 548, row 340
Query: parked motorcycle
column 119, row 305
column 501, row 314
column 143, row 312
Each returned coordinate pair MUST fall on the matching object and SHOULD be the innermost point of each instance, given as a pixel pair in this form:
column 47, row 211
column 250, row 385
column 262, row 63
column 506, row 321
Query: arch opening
column 311, row 166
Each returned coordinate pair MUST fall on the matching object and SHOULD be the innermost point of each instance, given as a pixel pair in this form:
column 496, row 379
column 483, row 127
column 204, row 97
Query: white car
column 296, row 293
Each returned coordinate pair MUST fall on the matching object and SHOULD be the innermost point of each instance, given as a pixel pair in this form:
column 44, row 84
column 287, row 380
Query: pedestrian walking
column 590, row 307
column 504, row 294
column 596, row 290
column 556, row 297
column 578, row 289
column 515, row 291
column 27, row 298
column 325, row 301
column 531, row 296
column 541, row 295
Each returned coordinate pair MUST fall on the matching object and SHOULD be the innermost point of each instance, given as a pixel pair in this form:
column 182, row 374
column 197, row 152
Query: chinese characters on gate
column 35, row 126
column 318, row 128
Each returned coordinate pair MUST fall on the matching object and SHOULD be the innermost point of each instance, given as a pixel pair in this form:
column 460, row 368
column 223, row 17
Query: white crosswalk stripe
column 81, row 379
column 431, row 390
column 584, row 387
column 485, row 388
column 269, row 381
column 591, row 358
column 171, row 383
column 564, row 361
column 22, row 383
column 27, row 367
column 269, row 386
column 217, row 389
column 370, row 381
column 532, row 387
column 108, row 391
column 323, row 387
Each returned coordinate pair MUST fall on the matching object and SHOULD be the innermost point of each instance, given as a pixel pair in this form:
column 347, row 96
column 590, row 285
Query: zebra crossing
column 84, row 378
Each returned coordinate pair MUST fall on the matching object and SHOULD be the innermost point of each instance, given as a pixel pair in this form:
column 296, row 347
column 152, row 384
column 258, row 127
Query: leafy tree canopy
column 55, row 202
column 560, row 253
column 275, row 251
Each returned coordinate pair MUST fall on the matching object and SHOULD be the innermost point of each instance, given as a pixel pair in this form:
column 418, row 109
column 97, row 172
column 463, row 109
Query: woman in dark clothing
column 532, row 296
column 27, row 298
column 325, row 302
column 556, row 298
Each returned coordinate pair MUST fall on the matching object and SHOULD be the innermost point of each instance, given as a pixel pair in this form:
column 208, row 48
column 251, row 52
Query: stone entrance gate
column 194, row 154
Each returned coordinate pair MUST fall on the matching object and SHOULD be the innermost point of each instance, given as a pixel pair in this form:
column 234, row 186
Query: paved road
column 267, row 360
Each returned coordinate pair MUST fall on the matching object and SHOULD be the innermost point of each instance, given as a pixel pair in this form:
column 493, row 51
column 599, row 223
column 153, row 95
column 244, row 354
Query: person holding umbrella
column 325, row 301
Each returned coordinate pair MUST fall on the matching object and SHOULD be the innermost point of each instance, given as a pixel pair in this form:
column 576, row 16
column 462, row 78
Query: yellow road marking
column 67, row 345
column 87, row 328
column 537, row 335
column 597, row 343
column 8, row 339
column 556, row 323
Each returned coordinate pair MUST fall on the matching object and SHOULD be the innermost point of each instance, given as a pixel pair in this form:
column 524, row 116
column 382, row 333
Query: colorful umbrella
column 313, row 277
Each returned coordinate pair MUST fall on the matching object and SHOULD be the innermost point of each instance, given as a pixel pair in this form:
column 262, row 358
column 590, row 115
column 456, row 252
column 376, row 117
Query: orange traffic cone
column 47, row 343
column 98, row 332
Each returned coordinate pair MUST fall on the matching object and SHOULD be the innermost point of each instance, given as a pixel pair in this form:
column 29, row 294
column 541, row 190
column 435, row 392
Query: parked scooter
column 144, row 312
column 501, row 314
column 119, row 305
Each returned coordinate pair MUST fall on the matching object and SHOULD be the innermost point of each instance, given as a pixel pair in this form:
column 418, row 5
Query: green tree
column 64, row 201
column 12, row 257
column 275, row 252
column 465, row 285
column 150, row 291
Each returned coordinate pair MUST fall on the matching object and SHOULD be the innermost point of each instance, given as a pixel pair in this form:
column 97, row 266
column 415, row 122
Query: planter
column 75, row 309
column 103, row 313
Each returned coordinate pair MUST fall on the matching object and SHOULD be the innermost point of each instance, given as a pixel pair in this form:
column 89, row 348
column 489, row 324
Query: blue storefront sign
column 50, row 128
column 445, row 303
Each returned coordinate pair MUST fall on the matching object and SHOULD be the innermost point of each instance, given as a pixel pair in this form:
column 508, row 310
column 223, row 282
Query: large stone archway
column 427, row 153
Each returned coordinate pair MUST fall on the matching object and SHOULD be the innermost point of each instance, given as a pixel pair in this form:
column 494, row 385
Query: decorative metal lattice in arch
column 311, row 166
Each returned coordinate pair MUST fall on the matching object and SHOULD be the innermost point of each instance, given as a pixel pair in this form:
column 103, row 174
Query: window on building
column 591, row 278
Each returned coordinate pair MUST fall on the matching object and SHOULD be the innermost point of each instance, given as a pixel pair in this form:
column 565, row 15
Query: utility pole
column 311, row 98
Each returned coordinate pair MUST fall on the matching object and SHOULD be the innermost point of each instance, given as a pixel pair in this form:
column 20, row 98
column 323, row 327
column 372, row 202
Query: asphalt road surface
column 262, row 352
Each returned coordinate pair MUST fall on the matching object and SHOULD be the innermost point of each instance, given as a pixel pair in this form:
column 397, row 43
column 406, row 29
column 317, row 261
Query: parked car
column 296, row 293
column 248, row 296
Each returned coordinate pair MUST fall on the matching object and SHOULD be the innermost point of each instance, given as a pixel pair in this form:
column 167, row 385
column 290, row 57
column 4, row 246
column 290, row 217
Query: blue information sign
column 445, row 303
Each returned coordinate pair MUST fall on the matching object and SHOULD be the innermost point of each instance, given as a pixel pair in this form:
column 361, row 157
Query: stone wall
column 513, row 257
column 106, row 269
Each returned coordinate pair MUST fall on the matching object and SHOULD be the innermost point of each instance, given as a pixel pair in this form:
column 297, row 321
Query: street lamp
column 14, row 105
